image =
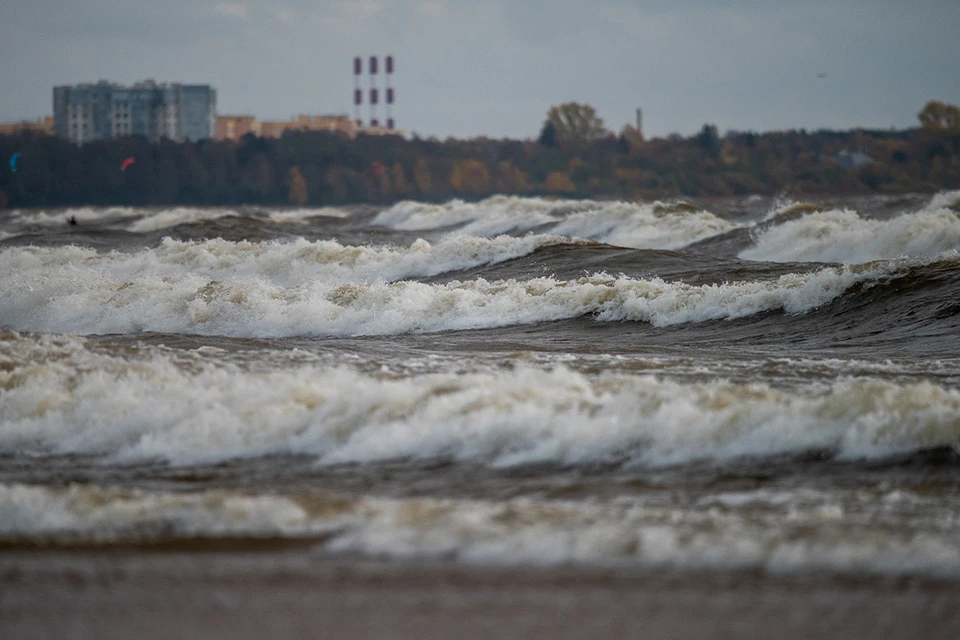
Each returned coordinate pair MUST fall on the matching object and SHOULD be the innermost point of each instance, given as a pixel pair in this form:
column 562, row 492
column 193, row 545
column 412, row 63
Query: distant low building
column 41, row 125
column 235, row 127
column 852, row 159
column 334, row 123
column 88, row 112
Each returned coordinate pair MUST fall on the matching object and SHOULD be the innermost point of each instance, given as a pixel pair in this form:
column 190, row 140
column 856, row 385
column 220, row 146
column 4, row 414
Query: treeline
column 326, row 169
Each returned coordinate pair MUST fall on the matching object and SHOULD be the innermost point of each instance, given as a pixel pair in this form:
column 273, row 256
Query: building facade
column 235, row 127
column 88, row 112
column 43, row 125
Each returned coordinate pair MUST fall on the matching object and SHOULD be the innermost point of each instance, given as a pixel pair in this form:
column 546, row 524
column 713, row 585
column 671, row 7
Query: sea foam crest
column 642, row 226
column 64, row 399
column 845, row 532
column 844, row 236
column 495, row 215
column 286, row 263
column 122, row 215
column 76, row 291
column 166, row 218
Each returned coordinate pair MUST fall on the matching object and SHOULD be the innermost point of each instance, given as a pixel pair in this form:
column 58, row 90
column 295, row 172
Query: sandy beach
column 298, row 594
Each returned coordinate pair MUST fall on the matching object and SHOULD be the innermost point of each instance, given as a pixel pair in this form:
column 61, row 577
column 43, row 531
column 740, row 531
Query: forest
column 574, row 156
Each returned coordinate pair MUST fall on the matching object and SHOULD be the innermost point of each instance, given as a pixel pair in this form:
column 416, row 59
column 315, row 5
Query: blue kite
column 13, row 161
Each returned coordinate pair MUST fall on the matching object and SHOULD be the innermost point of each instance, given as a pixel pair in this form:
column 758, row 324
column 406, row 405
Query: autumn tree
column 400, row 185
column 298, row 187
column 422, row 177
column 939, row 116
column 510, row 179
column 573, row 124
column 470, row 176
column 558, row 182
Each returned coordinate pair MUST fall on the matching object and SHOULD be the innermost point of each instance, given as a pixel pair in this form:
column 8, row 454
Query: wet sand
column 295, row 593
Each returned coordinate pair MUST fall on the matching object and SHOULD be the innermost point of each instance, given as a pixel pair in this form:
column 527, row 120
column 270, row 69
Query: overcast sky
column 494, row 67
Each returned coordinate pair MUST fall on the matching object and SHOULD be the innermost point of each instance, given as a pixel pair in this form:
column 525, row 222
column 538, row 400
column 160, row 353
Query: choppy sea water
column 742, row 384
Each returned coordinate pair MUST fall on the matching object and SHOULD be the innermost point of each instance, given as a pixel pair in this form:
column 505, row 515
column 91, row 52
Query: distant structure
column 87, row 112
column 374, row 94
column 42, row 125
column 640, row 122
column 852, row 159
column 235, row 127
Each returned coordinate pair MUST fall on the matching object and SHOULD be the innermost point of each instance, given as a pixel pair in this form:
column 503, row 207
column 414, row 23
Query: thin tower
column 374, row 97
column 389, row 92
column 357, row 91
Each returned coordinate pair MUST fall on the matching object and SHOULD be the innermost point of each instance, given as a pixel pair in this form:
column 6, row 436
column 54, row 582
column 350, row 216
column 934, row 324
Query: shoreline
column 300, row 593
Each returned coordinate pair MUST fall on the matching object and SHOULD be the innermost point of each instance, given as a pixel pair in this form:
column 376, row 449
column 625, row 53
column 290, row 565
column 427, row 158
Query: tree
column 511, row 179
column 400, row 185
column 939, row 116
column 470, row 176
column 422, row 178
column 298, row 187
column 574, row 124
column 558, row 182
column 709, row 138
column 548, row 135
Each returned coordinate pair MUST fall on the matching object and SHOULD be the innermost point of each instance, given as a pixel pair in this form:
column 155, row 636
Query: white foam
column 845, row 532
column 273, row 290
column 304, row 214
column 844, row 236
column 495, row 215
column 641, row 226
column 89, row 514
column 288, row 263
column 59, row 397
column 165, row 218
column 29, row 217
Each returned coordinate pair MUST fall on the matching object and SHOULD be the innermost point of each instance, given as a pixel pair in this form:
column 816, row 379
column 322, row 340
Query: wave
column 73, row 290
column 846, row 532
column 83, row 215
column 288, row 263
column 807, row 233
column 159, row 220
column 493, row 216
column 59, row 397
column 644, row 226
column 640, row 226
column 152, row 219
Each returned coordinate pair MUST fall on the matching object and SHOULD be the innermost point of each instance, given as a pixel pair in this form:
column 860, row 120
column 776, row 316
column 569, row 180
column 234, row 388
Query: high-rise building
column 103, row 110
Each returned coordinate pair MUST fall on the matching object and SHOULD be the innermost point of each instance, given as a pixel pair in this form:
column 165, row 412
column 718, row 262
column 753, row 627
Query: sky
column 494, row 67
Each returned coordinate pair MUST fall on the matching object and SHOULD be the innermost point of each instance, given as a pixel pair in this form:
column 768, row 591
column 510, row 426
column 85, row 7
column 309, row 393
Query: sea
column 744, row 384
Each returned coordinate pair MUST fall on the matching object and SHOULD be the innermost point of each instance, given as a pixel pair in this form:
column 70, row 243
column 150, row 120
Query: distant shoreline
column 323, row 169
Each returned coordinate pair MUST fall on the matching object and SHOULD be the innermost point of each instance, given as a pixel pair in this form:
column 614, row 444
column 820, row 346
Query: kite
column 126, row 163
column 13, row 161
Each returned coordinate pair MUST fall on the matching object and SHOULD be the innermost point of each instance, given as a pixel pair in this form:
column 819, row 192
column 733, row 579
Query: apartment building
column 88, row 112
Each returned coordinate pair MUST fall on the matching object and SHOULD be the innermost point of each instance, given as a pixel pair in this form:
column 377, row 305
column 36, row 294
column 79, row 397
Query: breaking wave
column 274, row 289
column 635, row 225
column 843, row 236
column 856, row 532
column 795, row 232
column 61, row 398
